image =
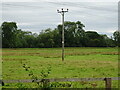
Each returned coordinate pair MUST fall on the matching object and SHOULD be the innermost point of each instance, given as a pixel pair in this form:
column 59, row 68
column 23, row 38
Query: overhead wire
column 62, row 4
column 49, row 4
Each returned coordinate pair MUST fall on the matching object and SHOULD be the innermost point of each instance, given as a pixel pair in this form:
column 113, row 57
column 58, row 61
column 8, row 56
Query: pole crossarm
column 62, row 11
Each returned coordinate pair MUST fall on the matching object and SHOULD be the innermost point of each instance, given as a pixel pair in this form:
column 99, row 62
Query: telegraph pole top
column 60, row 11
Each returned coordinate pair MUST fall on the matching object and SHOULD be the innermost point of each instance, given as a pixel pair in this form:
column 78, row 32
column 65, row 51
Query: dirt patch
column 91, row 53
column 110, row 53
column 52, row 57
column 12, row 59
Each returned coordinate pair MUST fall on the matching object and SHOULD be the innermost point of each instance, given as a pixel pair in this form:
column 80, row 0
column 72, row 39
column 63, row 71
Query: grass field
column 79, row 63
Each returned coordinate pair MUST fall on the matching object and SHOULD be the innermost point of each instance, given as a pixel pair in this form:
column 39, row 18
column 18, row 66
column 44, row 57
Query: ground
column 79, row 63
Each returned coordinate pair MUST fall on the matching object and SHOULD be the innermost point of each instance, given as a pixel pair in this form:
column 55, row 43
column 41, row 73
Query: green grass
column 79, row 63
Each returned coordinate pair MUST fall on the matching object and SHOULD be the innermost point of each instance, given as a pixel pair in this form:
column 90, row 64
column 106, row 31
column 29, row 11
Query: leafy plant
column 20, row 85
column 61, row 84
column 44, row 83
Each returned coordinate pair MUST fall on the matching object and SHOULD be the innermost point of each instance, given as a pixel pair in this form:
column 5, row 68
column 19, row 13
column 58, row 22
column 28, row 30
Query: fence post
column 45, row 83
column 2, row 83
column 108, row 83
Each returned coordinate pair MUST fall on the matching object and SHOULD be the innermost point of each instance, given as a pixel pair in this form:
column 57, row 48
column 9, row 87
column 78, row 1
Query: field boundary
column 108, row 80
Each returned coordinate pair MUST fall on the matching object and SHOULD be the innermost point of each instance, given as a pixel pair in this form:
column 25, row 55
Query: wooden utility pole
column 62, row 13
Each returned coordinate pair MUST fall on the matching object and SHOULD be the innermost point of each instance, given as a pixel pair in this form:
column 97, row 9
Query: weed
column 44, row 83
column 61, row 84
column 20, row 85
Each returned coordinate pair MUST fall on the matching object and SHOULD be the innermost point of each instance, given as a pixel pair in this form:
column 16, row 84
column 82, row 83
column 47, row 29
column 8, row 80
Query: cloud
column 36, row 16
column 61, row 0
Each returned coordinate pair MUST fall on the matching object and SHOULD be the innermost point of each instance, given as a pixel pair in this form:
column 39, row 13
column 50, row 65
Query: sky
column 38, row 15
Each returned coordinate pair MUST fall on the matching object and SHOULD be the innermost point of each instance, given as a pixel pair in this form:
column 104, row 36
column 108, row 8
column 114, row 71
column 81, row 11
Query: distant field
column 79, row 63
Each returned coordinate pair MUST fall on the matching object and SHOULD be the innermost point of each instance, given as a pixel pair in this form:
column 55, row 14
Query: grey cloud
column 42, row 15
column 101, row 6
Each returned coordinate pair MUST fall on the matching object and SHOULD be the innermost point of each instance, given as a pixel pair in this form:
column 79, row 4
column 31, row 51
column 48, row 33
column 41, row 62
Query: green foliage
column 21, row 85
column 116, row 36
column 9, row 34
column 75, row 36
column 61, row 84
column 44, row 74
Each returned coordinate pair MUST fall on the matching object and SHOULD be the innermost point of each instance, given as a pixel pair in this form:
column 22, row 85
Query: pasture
column 82, row 62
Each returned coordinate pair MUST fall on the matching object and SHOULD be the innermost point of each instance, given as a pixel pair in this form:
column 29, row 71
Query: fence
column 108, row 80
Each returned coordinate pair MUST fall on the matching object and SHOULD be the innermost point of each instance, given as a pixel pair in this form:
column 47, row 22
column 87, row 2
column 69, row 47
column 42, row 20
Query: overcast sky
column 36, row 15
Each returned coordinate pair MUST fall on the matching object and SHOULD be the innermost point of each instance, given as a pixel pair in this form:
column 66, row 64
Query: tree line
column 75, row 36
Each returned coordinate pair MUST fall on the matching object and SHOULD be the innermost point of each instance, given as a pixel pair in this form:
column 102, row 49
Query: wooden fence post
column 45, row 83
column 2, row 83
column 108, row 83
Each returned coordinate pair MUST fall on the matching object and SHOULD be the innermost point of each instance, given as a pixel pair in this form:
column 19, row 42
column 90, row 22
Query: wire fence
column 108, row 80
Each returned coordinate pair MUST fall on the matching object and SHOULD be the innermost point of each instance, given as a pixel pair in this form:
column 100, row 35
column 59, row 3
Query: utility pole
column 62, row 13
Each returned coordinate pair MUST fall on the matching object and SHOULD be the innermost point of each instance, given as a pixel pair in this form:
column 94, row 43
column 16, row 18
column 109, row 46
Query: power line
column 68, row 4
column 21, row 5
column 78, row 5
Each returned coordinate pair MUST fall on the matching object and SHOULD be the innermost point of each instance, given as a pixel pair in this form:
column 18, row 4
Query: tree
column 106, row 41
column 56, row 38
column 80, row 35
column 9, row 34
column 94, row 39
column 116, row 36
column 75, row 36
column 45, row 38
column 73, row 32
